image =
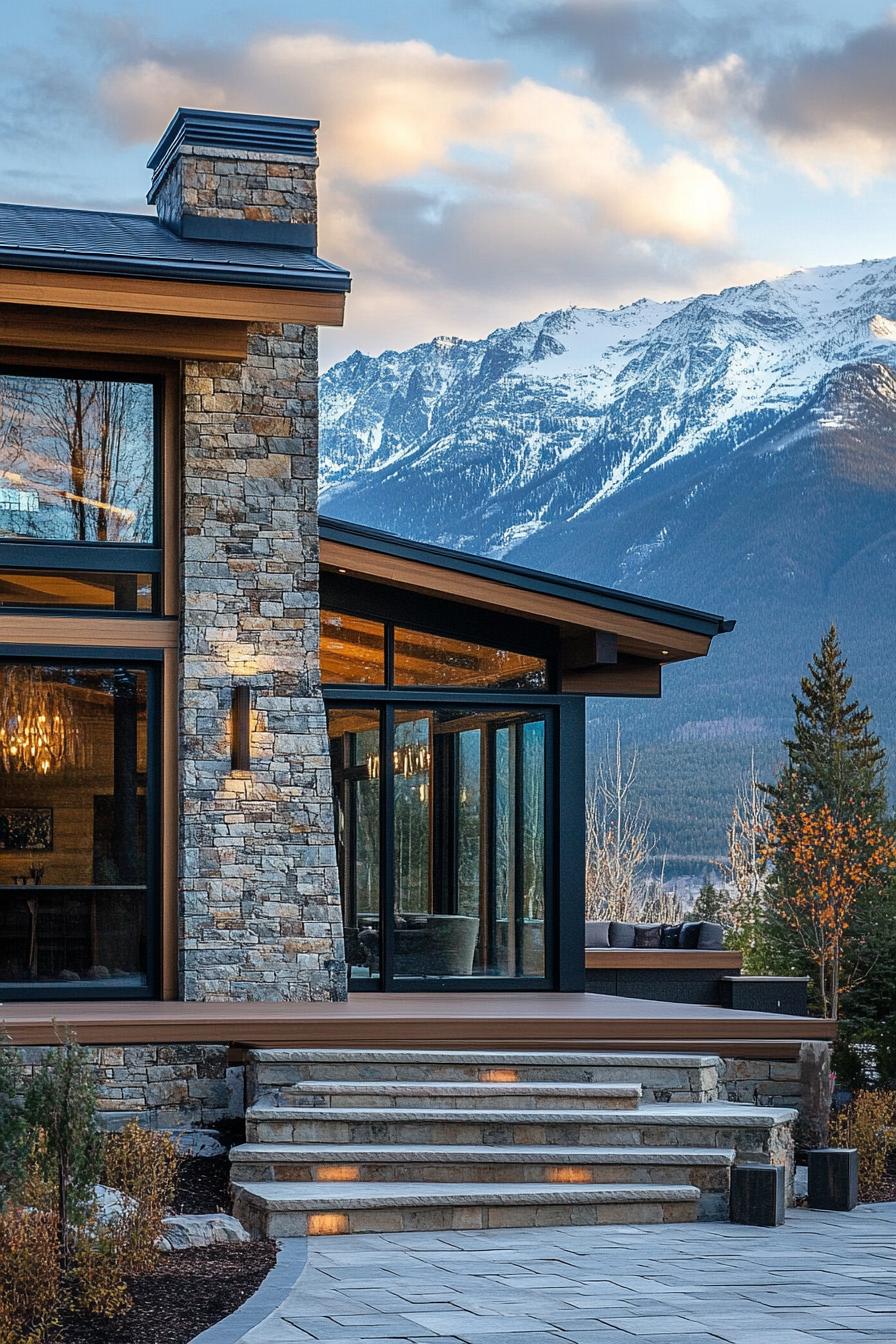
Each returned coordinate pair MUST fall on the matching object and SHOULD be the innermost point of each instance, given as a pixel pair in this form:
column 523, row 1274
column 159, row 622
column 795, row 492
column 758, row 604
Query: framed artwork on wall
column 26, row 829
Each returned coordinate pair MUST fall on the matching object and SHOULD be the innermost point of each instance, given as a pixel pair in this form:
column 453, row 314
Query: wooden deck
column 481, row 1021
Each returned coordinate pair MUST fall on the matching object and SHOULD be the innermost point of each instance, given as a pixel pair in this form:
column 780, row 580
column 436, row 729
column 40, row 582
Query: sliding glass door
column 443, row 850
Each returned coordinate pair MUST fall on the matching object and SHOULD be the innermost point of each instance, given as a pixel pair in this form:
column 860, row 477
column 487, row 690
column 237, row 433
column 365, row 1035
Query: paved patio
column 821, row 1277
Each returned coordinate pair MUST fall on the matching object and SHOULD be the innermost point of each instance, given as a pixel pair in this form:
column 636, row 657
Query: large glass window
column 76, row 784
column 356, row 651
column 352, row 650
column 73, row 588
column 461, row 882
column 434, row 660
column 76, row 459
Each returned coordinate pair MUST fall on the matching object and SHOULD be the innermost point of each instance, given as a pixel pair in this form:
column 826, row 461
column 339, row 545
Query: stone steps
column 747, row 1130
column 400, row 1140
column 707, row 1169
column 295, row 1209
column 673, row 1077
column 464, row 1096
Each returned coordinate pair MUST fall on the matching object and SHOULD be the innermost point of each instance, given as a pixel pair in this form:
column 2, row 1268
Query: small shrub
column 13, row 1135
column 97, row 1272
column 867, row 1124
column 885, row 1052
column 849, row 1064
column 60, row 1103
column 30, row 1276
column 143, row 1164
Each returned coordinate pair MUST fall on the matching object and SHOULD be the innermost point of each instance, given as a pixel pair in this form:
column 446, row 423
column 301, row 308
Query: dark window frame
column 564, row 815
column 150, row 661
column 34, row 553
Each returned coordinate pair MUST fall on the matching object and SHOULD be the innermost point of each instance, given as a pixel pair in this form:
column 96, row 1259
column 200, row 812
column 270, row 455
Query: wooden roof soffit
column 575, row 619
column 627, row 676
column 170, row 298
column 77, row 329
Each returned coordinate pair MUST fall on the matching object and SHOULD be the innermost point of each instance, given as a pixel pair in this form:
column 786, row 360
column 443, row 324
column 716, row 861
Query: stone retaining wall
column 164, row 1086
column 804, row 1083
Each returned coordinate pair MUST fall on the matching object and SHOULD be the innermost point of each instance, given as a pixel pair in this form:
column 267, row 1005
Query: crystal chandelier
column 412, row 758
column 37, row 731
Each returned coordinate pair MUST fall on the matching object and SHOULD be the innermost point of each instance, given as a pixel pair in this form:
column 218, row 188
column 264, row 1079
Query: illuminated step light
column 499, row 1076
column 327, row 1224
column 569, row 1175
column 334, row 1172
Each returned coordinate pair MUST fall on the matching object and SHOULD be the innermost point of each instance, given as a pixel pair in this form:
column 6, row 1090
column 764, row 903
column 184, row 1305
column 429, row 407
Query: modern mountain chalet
column 251, row 758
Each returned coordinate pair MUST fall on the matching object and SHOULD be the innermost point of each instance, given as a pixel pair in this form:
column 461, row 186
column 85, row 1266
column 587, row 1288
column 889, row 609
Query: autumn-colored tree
column 834, row 768
column 830, row 861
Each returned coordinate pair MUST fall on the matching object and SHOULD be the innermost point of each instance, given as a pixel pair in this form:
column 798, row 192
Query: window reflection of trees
column 76, row 459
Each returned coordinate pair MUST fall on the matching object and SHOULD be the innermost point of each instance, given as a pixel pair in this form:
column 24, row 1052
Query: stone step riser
column 332, row 1128
column 658, row 1083
column 712, row 1182
column 443, row 1218
column 488, row 1099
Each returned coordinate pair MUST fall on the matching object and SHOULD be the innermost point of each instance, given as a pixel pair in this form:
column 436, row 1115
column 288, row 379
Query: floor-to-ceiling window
column 79, row 724
column 445, row 771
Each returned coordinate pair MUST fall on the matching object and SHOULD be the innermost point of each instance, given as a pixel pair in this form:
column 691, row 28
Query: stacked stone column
column 260, row 911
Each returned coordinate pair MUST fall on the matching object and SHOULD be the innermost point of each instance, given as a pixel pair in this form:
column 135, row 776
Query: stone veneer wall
column 164, row 1086
column 260, row 916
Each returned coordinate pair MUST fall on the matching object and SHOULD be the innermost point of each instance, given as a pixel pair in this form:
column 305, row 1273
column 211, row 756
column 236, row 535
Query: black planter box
column 757, row 1194
column 765, row 994
column 833, row 1178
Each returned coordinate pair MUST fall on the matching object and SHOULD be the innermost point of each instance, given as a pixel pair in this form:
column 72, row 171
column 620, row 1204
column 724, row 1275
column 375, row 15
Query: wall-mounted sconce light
column 240, row 712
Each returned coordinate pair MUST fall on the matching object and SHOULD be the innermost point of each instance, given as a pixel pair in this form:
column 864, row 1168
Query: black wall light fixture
column 240, row 758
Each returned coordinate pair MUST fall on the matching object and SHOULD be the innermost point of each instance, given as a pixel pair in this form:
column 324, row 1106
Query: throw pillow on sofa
column 712, row 937
column 597, row 933
column 670, row 935
column 648, row 935
column 690, row 936
column 622, row 935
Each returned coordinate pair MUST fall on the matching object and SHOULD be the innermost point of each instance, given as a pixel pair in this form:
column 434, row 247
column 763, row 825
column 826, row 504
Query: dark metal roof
column 200, row 127
column 530, row 580
column 101, row 242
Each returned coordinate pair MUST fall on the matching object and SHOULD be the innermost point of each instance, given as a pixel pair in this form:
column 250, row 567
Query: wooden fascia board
column 436, row 581
column 633, row 678
column 97, row 332
column 170, row 298
column 87, row 631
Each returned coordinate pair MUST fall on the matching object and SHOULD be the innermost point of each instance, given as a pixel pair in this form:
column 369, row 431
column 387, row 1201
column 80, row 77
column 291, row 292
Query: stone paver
column 822, row 1277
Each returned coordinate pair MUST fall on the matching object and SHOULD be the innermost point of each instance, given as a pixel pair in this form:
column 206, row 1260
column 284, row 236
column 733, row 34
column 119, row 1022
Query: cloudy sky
column 483, row 160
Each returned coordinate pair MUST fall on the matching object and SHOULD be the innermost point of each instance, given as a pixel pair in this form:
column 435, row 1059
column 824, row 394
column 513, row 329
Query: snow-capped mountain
column 735, row 451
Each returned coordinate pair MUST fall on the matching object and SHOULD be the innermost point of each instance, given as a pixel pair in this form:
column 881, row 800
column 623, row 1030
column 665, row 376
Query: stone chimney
column 258, row 171
column 260, row 913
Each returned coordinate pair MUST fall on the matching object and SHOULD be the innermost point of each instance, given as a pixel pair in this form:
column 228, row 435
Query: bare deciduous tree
column 619, row 847
column 746, row 864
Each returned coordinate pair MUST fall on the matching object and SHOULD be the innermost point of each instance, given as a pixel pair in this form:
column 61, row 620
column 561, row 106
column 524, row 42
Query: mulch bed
column 189, row 1292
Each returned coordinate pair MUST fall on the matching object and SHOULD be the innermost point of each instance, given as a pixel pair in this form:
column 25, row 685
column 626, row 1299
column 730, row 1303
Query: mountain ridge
column 733, row 452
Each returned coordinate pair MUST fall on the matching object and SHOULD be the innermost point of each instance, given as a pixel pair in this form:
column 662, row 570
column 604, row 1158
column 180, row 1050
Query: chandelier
column 412, row 758
column 37, row 731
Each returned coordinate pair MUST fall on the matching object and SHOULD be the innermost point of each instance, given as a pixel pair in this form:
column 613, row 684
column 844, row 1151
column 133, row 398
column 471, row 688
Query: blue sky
column 482, row 160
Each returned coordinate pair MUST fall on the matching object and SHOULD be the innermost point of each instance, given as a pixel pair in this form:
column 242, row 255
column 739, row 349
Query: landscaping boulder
column 191, row 1231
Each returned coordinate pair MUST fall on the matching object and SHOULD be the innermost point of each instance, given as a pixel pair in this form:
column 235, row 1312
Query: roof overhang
column 612, row 643
column 188, row 298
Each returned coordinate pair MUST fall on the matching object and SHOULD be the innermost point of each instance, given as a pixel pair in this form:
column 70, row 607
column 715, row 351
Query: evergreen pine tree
column 834, row 757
